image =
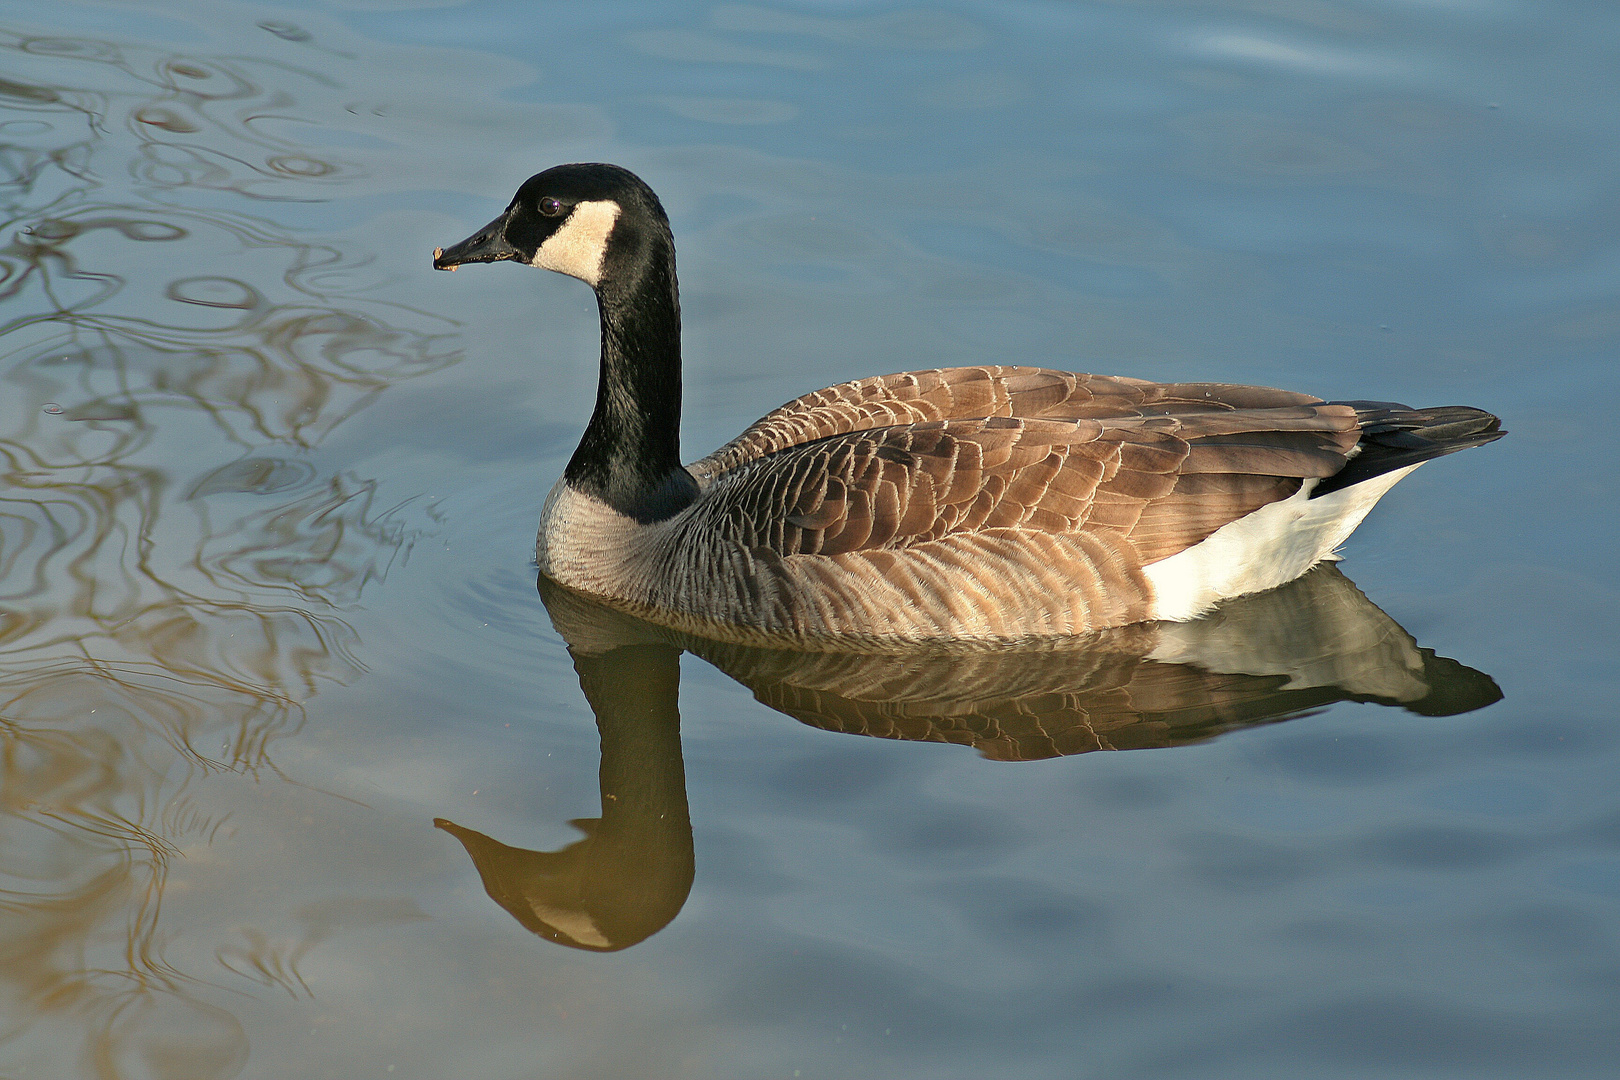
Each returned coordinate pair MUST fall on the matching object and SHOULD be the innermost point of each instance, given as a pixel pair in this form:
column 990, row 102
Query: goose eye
column 550, row 207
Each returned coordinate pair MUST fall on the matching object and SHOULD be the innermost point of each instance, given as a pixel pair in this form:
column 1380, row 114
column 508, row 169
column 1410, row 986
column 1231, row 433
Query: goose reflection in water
column 1259, row 659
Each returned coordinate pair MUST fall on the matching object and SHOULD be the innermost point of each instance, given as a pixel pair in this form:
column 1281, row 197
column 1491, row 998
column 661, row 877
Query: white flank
column 577, row 248
column 1262, row 550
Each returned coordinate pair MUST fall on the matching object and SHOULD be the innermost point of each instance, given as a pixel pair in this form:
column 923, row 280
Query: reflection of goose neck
column 631, row 873
column 645, row 833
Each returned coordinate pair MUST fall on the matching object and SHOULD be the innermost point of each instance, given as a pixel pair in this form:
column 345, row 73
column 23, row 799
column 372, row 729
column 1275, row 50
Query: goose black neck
column 630, row 456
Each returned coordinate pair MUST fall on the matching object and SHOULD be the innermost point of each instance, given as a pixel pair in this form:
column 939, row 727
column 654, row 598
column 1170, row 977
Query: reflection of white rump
column 1320, row 631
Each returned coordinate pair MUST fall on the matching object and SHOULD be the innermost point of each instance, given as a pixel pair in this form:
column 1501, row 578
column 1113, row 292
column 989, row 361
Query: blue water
column 267, row 606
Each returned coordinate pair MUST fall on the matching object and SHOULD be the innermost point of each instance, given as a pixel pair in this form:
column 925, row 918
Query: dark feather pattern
column 1394, row 436
column 889, row 463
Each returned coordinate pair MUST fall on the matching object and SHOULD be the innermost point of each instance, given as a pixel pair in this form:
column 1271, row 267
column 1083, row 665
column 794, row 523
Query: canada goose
column 982, row 502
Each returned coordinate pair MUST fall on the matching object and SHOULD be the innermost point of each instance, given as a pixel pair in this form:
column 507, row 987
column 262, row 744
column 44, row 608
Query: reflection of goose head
column 630, row 874
column 1259, row 659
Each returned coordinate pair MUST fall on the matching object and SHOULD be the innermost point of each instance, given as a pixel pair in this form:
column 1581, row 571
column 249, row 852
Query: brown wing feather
column 1169, row 465
column 969, row 393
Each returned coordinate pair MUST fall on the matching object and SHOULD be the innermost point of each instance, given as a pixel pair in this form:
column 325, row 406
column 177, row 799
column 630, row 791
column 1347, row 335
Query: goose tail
column 1395, row 437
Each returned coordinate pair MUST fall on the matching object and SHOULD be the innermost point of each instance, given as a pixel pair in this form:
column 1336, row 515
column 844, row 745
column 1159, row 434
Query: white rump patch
column 578, row 247
column 1275, row 544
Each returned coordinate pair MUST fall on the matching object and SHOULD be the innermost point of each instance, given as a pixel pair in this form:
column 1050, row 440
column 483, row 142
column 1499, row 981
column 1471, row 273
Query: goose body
column 985, row 502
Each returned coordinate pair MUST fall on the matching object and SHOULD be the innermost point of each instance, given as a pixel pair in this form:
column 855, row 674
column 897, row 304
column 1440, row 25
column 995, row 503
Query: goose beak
column 486, row 245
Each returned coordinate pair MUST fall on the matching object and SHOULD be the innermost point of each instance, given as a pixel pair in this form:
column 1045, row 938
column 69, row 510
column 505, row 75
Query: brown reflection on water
column 630, row 875
column 173, row 571
column 1256, row 660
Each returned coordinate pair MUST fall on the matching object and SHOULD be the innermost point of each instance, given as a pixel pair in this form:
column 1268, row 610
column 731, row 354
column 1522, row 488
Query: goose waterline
column 990, row 502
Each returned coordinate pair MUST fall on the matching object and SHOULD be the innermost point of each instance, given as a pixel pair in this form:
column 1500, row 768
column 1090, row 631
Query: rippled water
column 268, row 614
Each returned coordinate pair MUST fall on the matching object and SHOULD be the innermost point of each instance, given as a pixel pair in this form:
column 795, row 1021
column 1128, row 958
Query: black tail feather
column 1394, row 436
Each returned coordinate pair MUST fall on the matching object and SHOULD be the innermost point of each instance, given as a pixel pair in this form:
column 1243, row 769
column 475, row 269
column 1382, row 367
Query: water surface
column 270, row 485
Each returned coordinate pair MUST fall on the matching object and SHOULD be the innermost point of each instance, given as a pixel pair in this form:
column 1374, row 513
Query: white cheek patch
column 577, row 249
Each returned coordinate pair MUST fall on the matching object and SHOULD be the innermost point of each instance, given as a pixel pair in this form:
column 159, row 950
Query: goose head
column 595, row 222
column 601, row 224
